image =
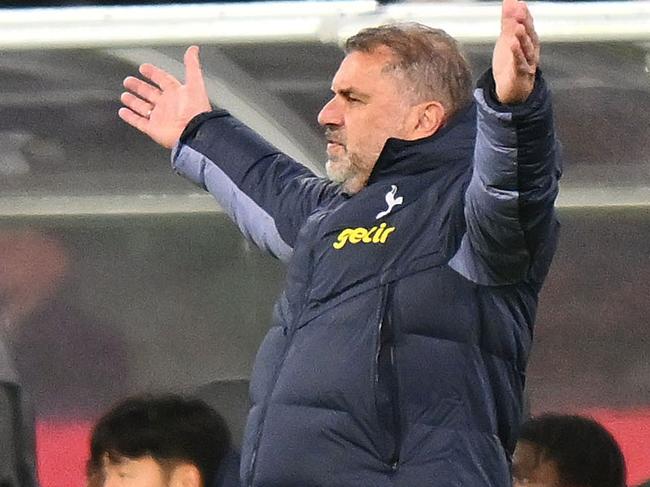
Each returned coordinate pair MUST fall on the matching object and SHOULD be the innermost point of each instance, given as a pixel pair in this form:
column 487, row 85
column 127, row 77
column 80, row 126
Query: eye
column 350, row 97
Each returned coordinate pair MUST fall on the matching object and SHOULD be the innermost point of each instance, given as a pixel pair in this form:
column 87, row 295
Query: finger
column 193, row 72
column 137, row 105
column 526, row 44
column 133, row 119
column 520, row 11
column 509, row 26
column 530, row 29
column 525, row 18
column 144, row 90
column 520, row 62
column 508, row 9
column 517, row 12
column 162, row 78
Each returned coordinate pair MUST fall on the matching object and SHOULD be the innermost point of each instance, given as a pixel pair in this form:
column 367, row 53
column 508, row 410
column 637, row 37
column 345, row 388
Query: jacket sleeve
column 265, row 192
column 511, row 228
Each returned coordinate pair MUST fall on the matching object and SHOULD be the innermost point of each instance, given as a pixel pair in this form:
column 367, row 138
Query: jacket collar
column 449, row 144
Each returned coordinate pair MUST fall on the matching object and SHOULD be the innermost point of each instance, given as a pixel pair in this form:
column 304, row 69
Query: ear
column 186, row 475
column 430, row 116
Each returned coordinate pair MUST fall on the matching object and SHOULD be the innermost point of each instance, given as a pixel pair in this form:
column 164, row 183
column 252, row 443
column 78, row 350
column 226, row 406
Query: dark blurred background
column 117, row 276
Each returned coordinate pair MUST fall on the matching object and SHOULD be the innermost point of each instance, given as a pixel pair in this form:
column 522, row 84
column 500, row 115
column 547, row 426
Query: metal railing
column 309, row 21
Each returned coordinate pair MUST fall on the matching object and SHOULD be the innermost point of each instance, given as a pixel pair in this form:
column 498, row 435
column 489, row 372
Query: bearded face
column 366, row 109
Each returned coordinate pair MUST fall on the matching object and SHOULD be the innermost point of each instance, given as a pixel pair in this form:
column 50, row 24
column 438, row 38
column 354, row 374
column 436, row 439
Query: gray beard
column 340, row 174
column 350, row 177
column 337, row 176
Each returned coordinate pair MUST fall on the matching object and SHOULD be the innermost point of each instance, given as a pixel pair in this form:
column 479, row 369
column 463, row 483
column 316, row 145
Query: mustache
column 334, row 135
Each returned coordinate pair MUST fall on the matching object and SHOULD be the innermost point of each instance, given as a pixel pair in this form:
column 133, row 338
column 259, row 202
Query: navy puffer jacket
column 397, row 352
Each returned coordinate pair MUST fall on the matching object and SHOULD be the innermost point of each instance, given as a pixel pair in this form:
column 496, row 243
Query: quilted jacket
column 398, row 349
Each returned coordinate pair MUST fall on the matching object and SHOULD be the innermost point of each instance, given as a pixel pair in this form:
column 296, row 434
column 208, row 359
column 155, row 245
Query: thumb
column 193, row 73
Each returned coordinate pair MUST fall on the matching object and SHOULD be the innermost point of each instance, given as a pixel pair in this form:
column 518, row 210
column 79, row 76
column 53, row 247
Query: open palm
column 161, row 106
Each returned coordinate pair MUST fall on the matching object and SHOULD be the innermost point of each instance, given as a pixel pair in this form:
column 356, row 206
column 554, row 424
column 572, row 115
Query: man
column 159, row 441
column 398, row 348
column 567, row 451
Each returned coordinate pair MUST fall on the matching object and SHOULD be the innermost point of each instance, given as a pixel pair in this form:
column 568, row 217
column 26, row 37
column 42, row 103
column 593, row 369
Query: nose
column 331, row 113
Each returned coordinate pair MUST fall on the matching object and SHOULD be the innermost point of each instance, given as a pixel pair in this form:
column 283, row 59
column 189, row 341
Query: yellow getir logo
column 375, row 235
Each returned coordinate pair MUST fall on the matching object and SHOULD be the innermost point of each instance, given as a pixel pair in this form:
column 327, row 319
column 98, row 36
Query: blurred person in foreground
column 398, row 349
column 161, row 441
column 17, row 437
column 70, row 361
column 556, row 450
column 32, row 266
column 57, row 362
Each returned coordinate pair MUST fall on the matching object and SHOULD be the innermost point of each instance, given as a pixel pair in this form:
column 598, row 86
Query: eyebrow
column 347, row 92
column 115, row 459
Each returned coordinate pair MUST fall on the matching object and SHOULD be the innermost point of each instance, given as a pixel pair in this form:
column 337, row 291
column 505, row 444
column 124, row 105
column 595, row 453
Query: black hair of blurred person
column 169, row 429
column 579, row 449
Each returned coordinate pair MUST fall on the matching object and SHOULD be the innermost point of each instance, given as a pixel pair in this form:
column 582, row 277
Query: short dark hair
column 167, row 427
column 584, row 451
column 429, row 58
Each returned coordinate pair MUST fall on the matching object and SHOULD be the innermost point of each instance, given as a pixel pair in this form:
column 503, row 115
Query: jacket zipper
column 387, row 390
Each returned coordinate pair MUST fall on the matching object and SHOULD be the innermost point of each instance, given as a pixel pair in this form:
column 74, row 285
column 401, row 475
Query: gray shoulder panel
column 255, row 223
column 493, row 250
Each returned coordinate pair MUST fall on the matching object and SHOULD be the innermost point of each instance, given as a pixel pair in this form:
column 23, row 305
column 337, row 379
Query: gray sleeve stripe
column 492, row 205
column 253, row 221
column 461, row 260
column 479, row 96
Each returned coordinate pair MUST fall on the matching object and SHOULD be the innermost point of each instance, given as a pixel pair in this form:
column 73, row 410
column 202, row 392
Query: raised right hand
column 516, row 53
column 162, row 106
